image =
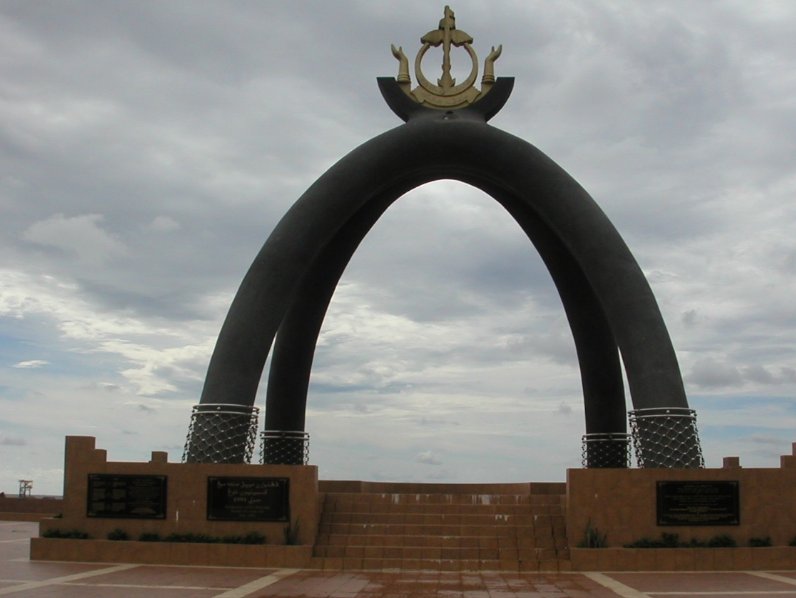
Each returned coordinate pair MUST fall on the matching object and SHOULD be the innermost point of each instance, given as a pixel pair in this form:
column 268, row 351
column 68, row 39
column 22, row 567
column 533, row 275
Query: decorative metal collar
column 446, row 95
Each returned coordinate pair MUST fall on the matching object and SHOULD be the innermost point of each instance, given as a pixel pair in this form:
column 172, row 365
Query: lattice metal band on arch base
column 666, row 437
column 603, row 450
column 221, row 433
column 281, row 447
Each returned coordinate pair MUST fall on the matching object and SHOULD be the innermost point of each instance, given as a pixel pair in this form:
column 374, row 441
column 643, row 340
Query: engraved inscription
column 248, row 499
column 698, row 503
column 126, row 496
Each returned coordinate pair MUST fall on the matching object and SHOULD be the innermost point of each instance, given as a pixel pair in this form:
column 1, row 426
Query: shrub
column 665, row 541
column 645, row 543
column 291, row 533
column 73, row 534
column 149, row 537
column 592, row 538
column 673, row 541
column 670, row 540
column 759, row 542
column 721, row 541
column 232, row 539
column 203, row 538
column 250, row 538
column 254, row 538
column 118, row 534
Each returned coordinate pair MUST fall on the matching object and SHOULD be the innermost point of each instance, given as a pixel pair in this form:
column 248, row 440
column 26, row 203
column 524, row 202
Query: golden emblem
column 446, row 94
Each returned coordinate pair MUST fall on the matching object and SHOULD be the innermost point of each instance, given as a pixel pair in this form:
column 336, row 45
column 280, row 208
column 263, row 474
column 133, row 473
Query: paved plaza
column 19, row 576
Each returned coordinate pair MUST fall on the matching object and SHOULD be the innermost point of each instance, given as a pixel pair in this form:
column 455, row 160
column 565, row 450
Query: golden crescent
column 441, row 91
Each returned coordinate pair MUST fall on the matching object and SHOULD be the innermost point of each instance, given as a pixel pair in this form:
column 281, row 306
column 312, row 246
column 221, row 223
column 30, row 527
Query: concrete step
column 439, row 535
column 397, row 564
column 348, row 499
column 438, row 531
column 483, row 542
column 374, row 503
column 496, row 519
column 419, row 552
column 422, row 510
column 387, row 529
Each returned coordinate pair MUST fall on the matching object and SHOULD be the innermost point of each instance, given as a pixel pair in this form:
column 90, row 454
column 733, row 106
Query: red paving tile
column 23, row 578
column 700, row 582
column 726, row 595
column 36, row 571
column 213, row 577
column 63, row 591
column 409, row 584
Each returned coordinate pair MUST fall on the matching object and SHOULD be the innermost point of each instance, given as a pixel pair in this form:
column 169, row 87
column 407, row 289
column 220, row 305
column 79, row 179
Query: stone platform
column 352, row 525
column 19, row 576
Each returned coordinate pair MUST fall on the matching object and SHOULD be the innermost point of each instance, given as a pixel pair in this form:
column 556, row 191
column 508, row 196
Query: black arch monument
column 284, row 296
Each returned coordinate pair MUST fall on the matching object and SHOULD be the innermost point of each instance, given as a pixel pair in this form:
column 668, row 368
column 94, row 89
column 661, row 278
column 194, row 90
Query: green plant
column 644, row 543
column 665, row 541
column 670, row 540
column 250, row 538
column 199, row 538
column 592, row 538
column 722, row 541
column 232, row 539
column 792, row 541
column 760, row 542
column 254, row 538
column 72, row 534
column 118, row 534
column 292, row 533
column 673, row 541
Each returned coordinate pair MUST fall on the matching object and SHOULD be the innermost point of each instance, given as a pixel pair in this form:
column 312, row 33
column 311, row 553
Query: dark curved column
column 601, row 375
column 598, row 356
column 606, row 442
column 295, row 343
column 464, row 148
column 294, row 348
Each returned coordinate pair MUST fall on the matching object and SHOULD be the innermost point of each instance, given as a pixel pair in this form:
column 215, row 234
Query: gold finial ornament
column 446, row 94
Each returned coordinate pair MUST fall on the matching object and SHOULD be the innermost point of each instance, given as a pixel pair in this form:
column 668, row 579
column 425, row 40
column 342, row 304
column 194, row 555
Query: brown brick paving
column 23, row 578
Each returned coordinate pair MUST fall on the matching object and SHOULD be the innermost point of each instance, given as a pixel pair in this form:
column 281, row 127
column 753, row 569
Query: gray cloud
column 12, row 441
column 30, row 364
column 148, row 150
column 711, row 373
column 428, row 458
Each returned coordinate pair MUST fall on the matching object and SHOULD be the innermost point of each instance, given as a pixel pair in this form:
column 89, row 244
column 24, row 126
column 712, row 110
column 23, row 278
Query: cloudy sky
column 147, row 149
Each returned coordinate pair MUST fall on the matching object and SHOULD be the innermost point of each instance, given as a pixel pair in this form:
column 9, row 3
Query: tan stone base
column 619, row 504
column 169, row 553
column 683, row 559
column 186, row 510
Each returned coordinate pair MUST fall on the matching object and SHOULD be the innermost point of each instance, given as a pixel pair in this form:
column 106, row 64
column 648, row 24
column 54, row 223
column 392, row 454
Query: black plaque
column 698, row 503
column 126, row 496
column 248, row 499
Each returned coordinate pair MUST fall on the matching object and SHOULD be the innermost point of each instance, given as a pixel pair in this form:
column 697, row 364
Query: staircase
column 440, row 529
